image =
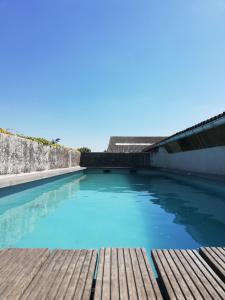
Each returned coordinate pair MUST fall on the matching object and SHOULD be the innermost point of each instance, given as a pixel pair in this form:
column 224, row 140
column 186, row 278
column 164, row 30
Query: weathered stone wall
column 18, row 155
column 114, row 160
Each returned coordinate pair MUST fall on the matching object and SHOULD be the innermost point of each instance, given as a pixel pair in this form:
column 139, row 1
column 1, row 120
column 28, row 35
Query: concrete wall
column 208, row 161
column 18, row 155
column 106, row 159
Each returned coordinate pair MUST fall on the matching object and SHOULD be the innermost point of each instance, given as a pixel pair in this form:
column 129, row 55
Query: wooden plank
column 66, row 274
column 137, row 274
column 186, row 271
column 125, row 274
column 215, row 257
column 132, row 290
column 8, row 263
column 89, row 280
column 75, row 276
column 53, row 286
column 122, row 276
column 114, row 284
column 84, row 270
column 212, row 282
column 84, row 285
column 163, row 274
column 186, row 275
column 66, row 280
column 100, row 272
column 150, row 283
column 21, row 270
column 106, row 275
column 43, row 279
column 177, row 273
column 172, row 280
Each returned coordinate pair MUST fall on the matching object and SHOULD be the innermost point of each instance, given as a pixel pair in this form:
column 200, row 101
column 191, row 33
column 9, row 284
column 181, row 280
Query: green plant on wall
column 43, row 141
column 5, row 131
column 84, row 150
column 53, row 143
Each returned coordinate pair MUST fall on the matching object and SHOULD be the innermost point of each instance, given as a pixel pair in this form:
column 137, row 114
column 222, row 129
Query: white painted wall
column 209, row 160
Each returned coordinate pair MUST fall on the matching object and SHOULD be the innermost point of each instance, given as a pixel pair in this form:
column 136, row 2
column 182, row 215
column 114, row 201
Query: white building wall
column 209, row 160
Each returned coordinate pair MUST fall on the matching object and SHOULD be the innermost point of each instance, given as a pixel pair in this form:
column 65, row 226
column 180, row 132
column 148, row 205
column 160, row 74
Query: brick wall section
column 104, row 159
column 18, row 155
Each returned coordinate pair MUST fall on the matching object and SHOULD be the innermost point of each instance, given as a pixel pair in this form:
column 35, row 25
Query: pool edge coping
column 21, row 178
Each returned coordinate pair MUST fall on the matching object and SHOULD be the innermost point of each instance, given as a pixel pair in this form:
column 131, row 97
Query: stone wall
column 114, row 160
column 19, row 155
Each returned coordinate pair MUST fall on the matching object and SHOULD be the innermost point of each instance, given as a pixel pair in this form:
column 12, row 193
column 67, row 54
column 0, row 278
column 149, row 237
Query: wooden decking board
column 16, row 266
column 55, row 286
column 67, row 277
column 165, row 270
column 20, row 271
column 212, row 283
column 152, row 290
column 187, row 276
column 75, row 276
column 125, row 274
column 5, row 261
column 138, row 278
column 206, row 282
column 65, row 274
column 131, row 284
column 8, row 259
column 84, row 269
column 36, row 284
column 122, row 274
column 100, row 273
column 50, row 276
column 163, row 275
column 89, row 279
column 83, row 290
column 33, row 262
column 186, row 272
column 195, row 276
column 114, row 284
column 176, row 271
column 123, row 288
column 215, row 257
column 107, row 273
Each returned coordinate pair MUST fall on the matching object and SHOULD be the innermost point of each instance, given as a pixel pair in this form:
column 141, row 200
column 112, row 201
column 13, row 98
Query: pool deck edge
column 15, row 179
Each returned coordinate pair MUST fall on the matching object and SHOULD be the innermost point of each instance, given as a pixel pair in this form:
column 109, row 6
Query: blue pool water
column 118, row 209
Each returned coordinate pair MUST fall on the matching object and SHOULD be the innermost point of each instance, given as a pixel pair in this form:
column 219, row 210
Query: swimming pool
column 93, row 209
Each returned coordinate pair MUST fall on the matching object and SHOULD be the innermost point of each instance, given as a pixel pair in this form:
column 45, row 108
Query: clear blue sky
column 83, row 70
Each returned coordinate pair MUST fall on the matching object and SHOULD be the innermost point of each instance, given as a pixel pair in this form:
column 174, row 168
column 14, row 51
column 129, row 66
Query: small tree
column 84, row 150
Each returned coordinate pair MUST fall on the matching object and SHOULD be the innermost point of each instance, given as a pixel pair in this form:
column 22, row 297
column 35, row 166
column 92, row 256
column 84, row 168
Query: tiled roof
column 126, row 144
column 203, row 123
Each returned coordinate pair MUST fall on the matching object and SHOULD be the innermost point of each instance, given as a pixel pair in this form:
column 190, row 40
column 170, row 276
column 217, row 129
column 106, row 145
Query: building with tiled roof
column 199, row 148
column 209, row 133
column 131, row 144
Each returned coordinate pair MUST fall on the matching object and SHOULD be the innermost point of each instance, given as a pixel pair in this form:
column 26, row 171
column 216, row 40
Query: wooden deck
column 215, row 257
column 112, row 274
column 43, row 274
column 186, row 275
column 125, row 274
